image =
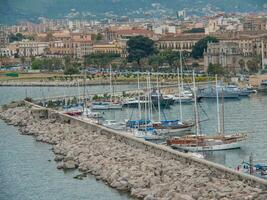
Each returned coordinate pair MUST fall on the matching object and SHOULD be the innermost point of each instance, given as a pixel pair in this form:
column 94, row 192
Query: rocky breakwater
column 124, row 167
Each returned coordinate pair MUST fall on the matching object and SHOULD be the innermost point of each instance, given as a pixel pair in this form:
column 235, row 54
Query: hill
column 14, row 10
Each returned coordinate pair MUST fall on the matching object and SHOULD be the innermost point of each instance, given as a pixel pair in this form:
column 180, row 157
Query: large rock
column 70, row 164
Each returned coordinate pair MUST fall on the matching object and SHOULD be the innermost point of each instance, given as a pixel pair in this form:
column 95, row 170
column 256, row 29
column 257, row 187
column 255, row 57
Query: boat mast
column 139, row 104
column 84, row 98
column 180, row 100
column 262, row 55
column 110, row 79
column 218, row 108
column 150, row 98
column 158, row 97
column 181, row 65
column 222, row 125
column 146, row 105
column 195, row 103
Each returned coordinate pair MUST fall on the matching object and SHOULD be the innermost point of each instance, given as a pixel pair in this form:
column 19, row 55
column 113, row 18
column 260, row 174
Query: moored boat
column 200, row 142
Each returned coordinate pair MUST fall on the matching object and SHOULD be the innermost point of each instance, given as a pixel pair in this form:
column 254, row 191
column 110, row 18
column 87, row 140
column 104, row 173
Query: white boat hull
column 218, row 147
column 106, row 107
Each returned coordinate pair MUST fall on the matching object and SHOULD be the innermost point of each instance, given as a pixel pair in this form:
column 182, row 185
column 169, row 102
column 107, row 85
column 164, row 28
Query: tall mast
column 146, row 102
column 180, row 100
column 195, row 103
column 222, row 125
column 151, row 104
column 84, row 77
column 181, row 65
column 218, row 108
column 158, row 97
column 139, row 104
column 110, row 79
column 262, row 54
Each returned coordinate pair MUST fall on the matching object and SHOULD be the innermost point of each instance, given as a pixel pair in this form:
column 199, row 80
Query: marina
column 238, row 118
column 233, row 121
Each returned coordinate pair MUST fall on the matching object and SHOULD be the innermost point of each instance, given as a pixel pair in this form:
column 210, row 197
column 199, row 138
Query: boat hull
column 219, row 147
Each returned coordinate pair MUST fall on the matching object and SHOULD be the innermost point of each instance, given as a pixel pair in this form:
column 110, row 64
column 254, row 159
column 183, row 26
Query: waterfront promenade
column 145, row 170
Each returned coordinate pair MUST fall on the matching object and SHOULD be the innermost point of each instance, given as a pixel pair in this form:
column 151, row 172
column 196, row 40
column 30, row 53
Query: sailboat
column 143, row 127
column 74, row 109
column 200, row 142
column 172, row 127
column 183, row 96
column 107, row 105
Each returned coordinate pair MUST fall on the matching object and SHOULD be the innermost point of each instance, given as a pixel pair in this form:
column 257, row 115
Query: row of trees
column 18, row 37
column 52, row 64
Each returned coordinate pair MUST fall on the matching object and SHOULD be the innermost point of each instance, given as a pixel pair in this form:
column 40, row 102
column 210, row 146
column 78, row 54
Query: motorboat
column 102, row 105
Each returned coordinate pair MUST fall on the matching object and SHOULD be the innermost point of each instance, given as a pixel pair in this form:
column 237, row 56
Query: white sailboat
column 107, row 105
column 200, row 142
column 169, row 128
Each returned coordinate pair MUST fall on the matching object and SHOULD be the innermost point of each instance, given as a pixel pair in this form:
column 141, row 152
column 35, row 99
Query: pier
column 144, row 169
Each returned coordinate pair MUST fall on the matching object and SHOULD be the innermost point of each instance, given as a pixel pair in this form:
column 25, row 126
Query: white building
column 5, row 52
column 29, row 48
column 163, row 29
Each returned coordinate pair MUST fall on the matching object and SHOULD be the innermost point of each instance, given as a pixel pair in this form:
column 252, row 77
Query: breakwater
column 146, row 170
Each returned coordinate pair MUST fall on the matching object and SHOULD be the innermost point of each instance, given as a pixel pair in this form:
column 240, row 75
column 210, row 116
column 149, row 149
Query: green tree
column 201, row 46
column 71, row 71
column 37, row 64
column 216, row 69
column 140, row 47
column 100, row 59
column 195, row 30
column 242, row 64
column 18, row 37
column 253, row 65
column 97, row 37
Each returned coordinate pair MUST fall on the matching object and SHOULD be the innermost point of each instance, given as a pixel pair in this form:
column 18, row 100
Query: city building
column 3, row 37
column 255, row 24
column 76, row 45
column 27, row 48
column 226, row 54
column 127, row 33
column 110, row 47
column 164, row 29
column 184, row 42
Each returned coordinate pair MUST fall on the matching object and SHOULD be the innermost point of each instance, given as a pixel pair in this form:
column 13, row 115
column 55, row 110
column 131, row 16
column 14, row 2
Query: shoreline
column 122, row 166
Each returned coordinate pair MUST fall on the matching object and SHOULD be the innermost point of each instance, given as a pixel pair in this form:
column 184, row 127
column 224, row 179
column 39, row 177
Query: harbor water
column 27, row 169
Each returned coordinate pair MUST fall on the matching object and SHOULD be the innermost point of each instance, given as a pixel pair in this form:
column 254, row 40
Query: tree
column 139, row 47
column 71, row 70
column 100, row 59
column 242, row 64
column 195, row 30
column 97, row 37
column 201, row 45
column 37, row 64
column 216, row 69
column 18, row 37
column 48, row 64
column 253, row 66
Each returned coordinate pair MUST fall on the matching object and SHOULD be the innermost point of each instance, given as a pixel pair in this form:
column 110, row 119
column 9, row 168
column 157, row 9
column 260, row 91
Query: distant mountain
column 15, row 10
